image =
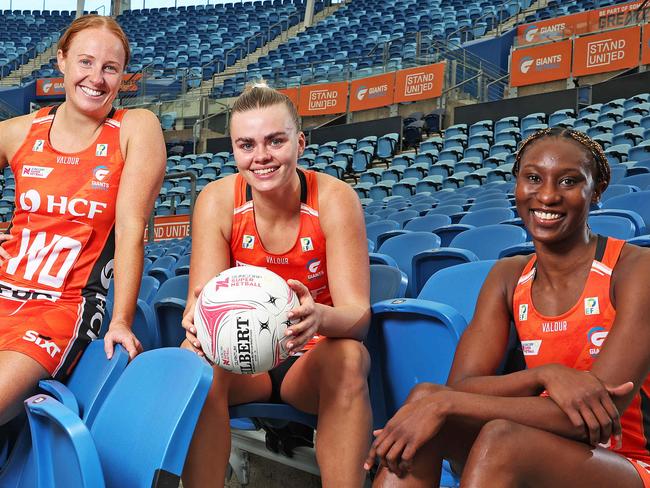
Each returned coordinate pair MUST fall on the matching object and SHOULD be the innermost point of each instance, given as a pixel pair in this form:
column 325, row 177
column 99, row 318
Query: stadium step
column 14, row 77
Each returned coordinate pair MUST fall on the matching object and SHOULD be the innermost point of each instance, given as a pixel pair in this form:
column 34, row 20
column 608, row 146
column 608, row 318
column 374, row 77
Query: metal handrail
column 200, row 121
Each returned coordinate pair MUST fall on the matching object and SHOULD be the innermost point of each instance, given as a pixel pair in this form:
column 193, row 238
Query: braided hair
column 602, row 170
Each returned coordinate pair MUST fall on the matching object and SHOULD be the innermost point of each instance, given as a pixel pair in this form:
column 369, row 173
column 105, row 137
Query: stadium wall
column 622, row 87
column 496, row 50
column 19, row 97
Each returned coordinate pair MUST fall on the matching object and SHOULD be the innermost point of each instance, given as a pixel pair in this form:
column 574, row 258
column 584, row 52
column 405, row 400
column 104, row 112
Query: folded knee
column 349, row 365
column 499, row 439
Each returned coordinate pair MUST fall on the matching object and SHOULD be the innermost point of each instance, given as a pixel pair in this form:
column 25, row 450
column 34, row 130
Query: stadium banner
column 170, row 227
column 552, row 29
column 53, row 87
column 608, row 51
column 617, row 16
column 50, row 87
column 419, row 83
column 645, row 50
column 539, row 64
column 323, row 99
column 292, row 93
column 130, row 82
column 372, row 92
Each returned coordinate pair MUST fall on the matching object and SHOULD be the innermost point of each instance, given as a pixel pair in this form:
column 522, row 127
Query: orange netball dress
column 53, row 289
column 305, row 261
column 575, row 338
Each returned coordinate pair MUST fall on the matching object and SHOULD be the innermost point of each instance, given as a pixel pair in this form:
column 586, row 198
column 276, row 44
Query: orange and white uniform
column 53, row 289
column 305, row 261
column 575, row 338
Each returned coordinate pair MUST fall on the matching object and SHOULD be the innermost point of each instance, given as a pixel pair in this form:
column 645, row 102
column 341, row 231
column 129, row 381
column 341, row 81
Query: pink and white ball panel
column 240, row 319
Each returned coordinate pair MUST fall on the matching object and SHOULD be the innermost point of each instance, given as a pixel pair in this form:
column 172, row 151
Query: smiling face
column 266, row 145
column 92, row 70
column 555, row 187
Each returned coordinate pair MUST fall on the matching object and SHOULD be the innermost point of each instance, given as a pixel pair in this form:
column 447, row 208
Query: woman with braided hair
column 579, row 415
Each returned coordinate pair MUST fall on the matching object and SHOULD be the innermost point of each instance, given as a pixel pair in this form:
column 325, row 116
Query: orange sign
column 552, row 29
column 608, row 51
column 616, row 16
column 419, row 83
column 326, row 98
column 170, row 227
column 612, row 17
column 130, row 82
column 292, row 93
column 539, row 64
column 372, row 92
column 53, row 87
column 645, row 50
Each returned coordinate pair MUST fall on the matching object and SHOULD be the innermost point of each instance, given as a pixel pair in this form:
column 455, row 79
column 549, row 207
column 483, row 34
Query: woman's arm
column 144, row 169
column 348, row 275
column 211, row 227
column 483, row 344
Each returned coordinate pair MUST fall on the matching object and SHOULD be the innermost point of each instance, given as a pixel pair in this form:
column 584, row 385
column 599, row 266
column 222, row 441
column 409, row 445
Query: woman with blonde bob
column 308, row 228
column 86, row 178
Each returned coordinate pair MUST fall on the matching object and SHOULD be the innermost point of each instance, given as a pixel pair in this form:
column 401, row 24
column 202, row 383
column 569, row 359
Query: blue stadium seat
column 169, row 305
column 402, row 248
column 612, row 226
column 489, row 240
column 172, row 382
column 638, row 202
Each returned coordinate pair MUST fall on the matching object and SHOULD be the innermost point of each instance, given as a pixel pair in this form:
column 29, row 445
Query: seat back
column 638, row 202
column 487, row 216
column 458, row 286
column 403, row 247
column 386, row 282
column 169, row 305
column 612, row 226
column 141, row 434
column 95, row 376
column 166, row 389
column 488, row 241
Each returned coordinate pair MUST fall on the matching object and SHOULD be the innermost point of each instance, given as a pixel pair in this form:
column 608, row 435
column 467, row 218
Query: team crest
column 523, row 312
column 307, row 244
column 38, row 145
column 248, row 241
column 101, row 150
column 591, row 306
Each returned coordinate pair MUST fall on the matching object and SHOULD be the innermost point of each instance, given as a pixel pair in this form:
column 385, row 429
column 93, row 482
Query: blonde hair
column 93, row 21
column 258, row 94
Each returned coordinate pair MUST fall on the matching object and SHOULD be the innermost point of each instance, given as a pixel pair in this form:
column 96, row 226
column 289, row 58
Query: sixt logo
column 43, row 342
column 525, row 64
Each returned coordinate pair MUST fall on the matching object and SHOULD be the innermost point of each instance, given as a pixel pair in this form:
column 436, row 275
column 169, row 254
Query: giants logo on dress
column 38, row 145
column 596, row 337
column 100, row 173
column 315, row 272
column 35, row 172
